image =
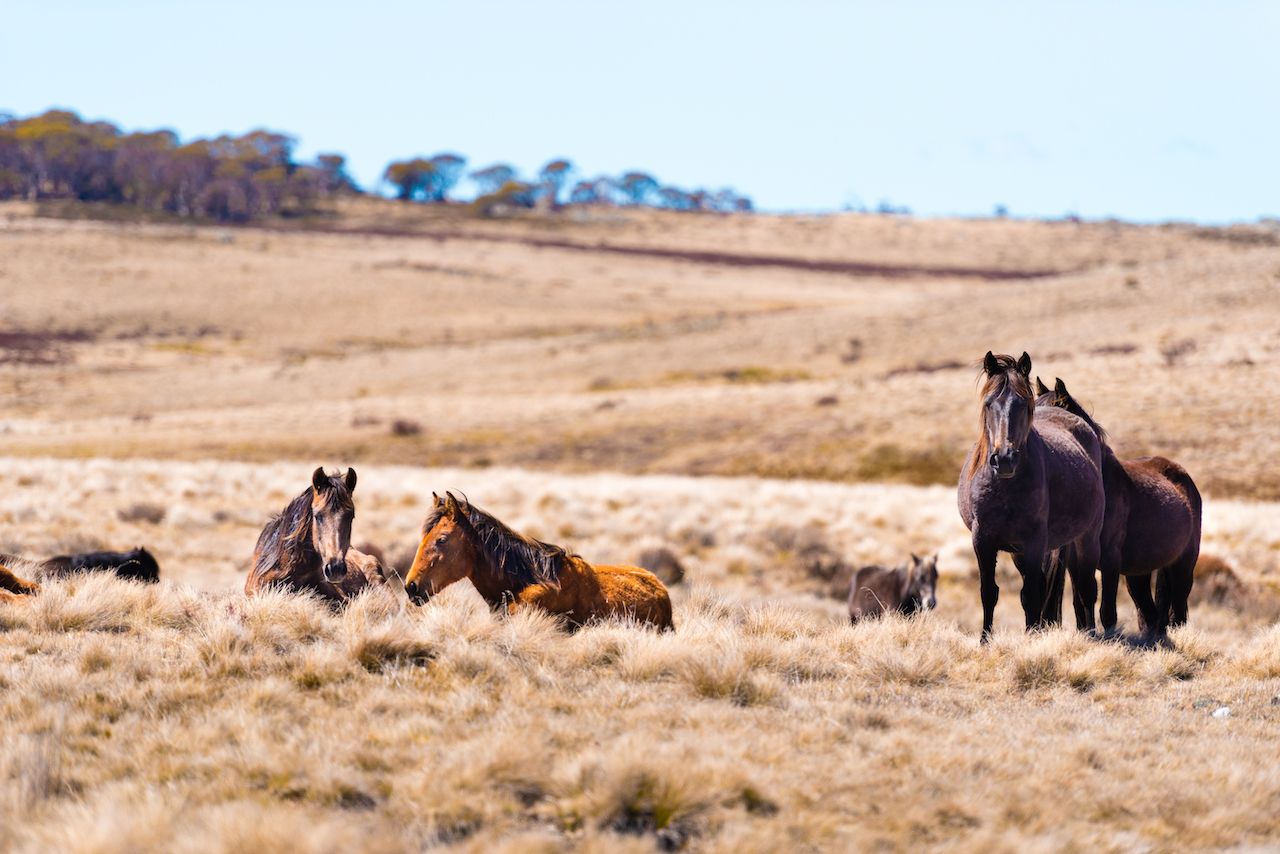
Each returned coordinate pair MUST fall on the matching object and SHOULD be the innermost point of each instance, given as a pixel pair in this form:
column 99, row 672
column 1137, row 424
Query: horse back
column 873, row 591
column 631, row 590
column 1072, row 462
column 1164, row 512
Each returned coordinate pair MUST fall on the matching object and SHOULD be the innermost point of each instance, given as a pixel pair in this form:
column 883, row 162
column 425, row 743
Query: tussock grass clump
column 154, row 716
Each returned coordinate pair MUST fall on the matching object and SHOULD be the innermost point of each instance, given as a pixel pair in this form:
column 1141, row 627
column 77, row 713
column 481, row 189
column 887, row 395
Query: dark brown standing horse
column 1152, row 524
column 1032, row 484
column 307, row 548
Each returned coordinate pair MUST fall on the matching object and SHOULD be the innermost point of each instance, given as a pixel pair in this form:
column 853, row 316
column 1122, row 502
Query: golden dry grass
column 261, row 345
column 147, row 717
column 173, row 386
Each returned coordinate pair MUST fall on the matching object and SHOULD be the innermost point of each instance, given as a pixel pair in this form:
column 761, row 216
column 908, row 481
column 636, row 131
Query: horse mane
column 286, row 540
column 1007, row 376
column 519, row 559
column 1065, row 400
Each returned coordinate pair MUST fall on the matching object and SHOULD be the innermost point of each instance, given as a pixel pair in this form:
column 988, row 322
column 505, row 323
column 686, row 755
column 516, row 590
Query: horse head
column 1007, row 409
column 446, row 553
column 332, row 512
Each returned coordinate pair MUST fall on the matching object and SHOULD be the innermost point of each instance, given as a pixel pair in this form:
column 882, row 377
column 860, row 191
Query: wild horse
column 307, row 548
column 1152, row 524
column 512, row 571
column 1031, row 486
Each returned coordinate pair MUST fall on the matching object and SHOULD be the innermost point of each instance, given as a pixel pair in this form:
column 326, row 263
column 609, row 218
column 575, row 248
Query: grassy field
column 770, row 398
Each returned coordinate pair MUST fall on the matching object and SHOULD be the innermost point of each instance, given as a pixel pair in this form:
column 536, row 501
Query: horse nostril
column 411, row 588
column 994, row 461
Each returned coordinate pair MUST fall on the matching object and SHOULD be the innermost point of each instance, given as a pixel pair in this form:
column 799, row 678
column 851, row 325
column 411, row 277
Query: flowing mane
column 1069, row 403
column 521, row 560
column 1007, row 376
column 286, row 540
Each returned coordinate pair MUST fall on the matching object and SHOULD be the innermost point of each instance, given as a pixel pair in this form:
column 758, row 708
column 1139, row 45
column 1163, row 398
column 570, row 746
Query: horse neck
column 297, row 554
column 492, row 585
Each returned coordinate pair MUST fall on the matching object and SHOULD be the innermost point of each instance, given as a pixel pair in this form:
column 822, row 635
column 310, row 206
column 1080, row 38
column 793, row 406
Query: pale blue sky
column 1143, row 110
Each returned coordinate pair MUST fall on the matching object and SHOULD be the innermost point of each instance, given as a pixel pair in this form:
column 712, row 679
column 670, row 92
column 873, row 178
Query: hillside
column 835, row 347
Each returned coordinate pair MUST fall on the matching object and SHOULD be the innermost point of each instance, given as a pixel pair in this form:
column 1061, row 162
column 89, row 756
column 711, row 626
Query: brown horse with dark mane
column 307, row 548
column 15, row 589
column 459, row 540
column 1031, row 486
column 1152, row 525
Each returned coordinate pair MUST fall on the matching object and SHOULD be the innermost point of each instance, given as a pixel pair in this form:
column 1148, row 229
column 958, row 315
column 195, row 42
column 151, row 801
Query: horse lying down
column 512, row 571
column 907, row 589
column 13, row 588
column 136, row 564
column 307, row 547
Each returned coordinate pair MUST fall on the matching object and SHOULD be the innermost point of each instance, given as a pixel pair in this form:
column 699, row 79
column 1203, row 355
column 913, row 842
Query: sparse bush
column 152, row 514
column 403, row 427
column 662, row 562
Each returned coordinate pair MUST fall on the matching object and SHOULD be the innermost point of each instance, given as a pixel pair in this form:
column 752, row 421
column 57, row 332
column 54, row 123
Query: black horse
column 1032, row 485
column 137, row 564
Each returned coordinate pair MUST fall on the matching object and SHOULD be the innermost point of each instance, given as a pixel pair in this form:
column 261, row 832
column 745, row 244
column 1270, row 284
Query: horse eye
column 440, row 540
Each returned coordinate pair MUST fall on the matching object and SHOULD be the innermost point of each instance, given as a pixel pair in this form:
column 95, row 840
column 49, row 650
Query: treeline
column 57, row 155
column 430, row 179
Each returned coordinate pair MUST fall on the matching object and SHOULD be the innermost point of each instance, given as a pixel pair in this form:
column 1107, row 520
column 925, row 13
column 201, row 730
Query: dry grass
column 184, row 717
column 146, row 717
column 505, row 353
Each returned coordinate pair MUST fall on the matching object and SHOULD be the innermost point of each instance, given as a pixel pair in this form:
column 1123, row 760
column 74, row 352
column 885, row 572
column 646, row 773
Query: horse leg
column 1140, row 592
column 1057, row 585
column 986, row 555
column 1030, row 563
column 1182, row 577
column 1110, row 592
column 1083, row 564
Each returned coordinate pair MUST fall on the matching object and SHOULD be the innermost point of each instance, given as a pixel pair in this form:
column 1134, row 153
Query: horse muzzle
column 335, row 570
column 1005, row 463
column 417, row 595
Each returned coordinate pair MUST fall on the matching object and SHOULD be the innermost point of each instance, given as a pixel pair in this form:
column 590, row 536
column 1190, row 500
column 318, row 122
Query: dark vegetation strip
column 696, row 256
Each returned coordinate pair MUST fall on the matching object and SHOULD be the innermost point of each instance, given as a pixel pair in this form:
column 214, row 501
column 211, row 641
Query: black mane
column 519, row 559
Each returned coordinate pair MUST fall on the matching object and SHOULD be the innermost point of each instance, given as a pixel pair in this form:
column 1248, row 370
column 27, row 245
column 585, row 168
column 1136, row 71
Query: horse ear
column 351, row 479
column 1059, row 386
column 451, row 505
column 915, row 558
column 319, row 480
column 435, row 500
column 990, row 365
column 1041, row 388
column 1024, row 364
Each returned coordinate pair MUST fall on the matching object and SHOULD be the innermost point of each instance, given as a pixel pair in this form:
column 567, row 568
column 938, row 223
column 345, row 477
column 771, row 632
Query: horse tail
column 1054, row 586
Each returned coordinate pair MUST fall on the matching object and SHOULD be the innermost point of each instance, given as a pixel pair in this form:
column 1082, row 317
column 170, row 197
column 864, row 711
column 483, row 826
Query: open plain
column 767, row 397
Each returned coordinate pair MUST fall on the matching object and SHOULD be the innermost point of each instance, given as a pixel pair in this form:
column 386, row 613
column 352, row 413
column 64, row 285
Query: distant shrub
column 405, row 427
column 152, row 514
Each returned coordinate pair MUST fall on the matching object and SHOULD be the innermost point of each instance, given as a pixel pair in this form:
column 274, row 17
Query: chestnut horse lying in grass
column 1151, row 525
column 307, row 548
column 459, row 540
column 13, row 588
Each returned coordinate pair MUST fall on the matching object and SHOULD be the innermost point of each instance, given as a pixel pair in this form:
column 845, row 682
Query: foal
column 459, row 540
column 907, row 589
